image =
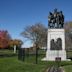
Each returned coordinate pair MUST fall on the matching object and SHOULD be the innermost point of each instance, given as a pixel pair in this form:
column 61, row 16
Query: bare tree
column 36, row 33
column 68, row 35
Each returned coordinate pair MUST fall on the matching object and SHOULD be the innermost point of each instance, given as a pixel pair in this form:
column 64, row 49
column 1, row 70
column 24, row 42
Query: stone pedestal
column 54, row 34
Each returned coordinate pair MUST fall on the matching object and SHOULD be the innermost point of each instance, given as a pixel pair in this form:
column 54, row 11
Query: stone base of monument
column 52, row 55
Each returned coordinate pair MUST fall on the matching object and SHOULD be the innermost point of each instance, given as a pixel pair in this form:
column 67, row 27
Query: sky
column 15, row 15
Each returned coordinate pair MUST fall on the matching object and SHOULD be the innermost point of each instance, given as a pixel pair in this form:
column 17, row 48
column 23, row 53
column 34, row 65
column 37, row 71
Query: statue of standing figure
column 56, row 19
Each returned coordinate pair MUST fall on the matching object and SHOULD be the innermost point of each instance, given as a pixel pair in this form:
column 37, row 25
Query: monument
column 56, row 37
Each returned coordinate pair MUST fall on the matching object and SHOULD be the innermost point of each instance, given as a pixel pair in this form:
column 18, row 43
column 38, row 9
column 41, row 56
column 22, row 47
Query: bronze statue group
column 56, row 45
column 56, row 19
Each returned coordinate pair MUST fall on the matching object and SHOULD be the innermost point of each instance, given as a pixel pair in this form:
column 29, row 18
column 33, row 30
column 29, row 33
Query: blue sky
column 15, row 15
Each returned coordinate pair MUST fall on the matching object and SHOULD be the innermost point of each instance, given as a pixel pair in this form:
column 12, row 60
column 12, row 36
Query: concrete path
column 55, row 69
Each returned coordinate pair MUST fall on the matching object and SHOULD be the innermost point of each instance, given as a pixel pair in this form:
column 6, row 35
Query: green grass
column 6, row 51
column 69, row 54
column 12, row 64
column 68, row 68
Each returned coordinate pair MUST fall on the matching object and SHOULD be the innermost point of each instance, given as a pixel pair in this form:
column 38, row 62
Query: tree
column 15, row 43
column 68, row 35
column 4, row 38
column 36, row 33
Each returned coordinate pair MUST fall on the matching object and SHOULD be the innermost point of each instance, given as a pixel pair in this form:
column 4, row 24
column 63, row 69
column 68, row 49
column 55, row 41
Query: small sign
column 58, row 59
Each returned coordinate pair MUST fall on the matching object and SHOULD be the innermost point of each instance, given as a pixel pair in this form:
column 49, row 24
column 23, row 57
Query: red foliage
column 4, row 38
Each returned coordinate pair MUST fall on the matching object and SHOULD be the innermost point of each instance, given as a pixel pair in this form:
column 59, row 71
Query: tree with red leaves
column 4, row 39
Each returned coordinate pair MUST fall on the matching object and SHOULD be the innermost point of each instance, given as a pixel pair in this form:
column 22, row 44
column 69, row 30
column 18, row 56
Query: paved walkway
column 55, row 69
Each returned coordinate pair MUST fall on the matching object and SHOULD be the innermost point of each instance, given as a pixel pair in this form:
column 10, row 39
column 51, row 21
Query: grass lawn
column 6, row 51
column 12, row 64
column 68, row 68
column 69, row 54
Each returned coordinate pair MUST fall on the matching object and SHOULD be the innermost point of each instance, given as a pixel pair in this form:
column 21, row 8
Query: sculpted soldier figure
column 55, row 13
column 56, row 17
column 61, row 19
column 50, row 20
